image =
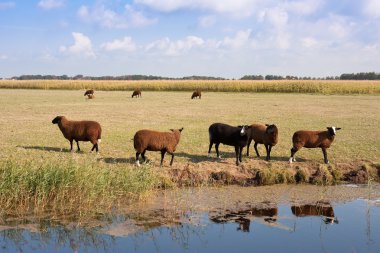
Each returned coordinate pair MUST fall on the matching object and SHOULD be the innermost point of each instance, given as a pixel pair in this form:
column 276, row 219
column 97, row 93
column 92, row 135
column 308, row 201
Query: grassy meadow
column 37, row 167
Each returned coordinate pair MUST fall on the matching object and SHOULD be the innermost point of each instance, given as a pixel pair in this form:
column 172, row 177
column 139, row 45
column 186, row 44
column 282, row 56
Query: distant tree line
column 353, row 76
column 125, row 77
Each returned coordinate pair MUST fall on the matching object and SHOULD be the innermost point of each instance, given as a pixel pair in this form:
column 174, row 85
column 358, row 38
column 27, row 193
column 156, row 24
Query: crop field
column 36, row 165
column 271, row 86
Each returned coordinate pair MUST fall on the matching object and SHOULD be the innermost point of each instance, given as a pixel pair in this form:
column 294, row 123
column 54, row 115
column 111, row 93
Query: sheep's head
column 244, row 129
column 179, row 130
column 57, row 119
column 271, row 129
column 332, row 130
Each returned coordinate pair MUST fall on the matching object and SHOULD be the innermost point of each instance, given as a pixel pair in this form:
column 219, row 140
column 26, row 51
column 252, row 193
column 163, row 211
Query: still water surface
column 318, row 226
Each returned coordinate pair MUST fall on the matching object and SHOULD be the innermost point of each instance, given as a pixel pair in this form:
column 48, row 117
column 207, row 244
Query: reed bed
column 67, row 186
column 261, row 86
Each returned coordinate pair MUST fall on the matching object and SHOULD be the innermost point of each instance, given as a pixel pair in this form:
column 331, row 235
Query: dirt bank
column 260, row 172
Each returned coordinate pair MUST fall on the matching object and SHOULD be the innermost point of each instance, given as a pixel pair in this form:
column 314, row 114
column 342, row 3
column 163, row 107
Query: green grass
column 36, row 167
column 262, row 86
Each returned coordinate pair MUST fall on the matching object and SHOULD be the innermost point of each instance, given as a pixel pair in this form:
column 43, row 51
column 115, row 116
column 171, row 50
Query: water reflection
column 320, row 208
column 176, row 230
column 245, row 216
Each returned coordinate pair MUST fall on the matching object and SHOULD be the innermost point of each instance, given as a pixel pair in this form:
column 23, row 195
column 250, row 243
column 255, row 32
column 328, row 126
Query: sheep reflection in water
column 244, row 217
column 320, row 208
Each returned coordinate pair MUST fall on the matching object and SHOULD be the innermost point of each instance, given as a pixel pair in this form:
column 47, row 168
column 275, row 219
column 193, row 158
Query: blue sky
column 175, row 38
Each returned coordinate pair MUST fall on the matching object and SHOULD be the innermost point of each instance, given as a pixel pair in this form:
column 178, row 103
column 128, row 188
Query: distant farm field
column 275, row 86
column 30, row 143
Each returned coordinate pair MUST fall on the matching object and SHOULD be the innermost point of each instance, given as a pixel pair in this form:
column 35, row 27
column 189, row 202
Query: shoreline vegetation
column 328, row 87
column 65, row 186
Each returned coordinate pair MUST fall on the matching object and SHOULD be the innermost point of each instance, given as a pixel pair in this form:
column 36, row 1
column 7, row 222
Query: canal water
column 284, row 219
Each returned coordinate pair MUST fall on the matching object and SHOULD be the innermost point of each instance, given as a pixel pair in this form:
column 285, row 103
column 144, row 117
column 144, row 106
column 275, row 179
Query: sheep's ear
column 248, row 127
column 171, row 130
column 180, row 129
column 267, row 125
column 338, row 128
column 239, row 126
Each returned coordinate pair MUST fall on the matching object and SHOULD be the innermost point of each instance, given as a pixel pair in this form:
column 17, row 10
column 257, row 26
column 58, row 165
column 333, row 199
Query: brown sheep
column 156, row 141
column 313, row 139
column 136, row 93
column 79, row 131
column 196, row 94
column 263, row 134
column 89, row 92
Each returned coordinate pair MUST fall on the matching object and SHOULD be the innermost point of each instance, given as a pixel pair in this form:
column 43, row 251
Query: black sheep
column 228, row 135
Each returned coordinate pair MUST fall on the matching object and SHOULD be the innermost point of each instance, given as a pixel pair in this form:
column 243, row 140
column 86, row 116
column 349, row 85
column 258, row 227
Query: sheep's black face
column 270, row 128
column 56, row 120
column 332, row 130
column 243, row 130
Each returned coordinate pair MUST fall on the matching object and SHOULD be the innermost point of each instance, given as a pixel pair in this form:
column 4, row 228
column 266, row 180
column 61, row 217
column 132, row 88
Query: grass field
column 36, row 165
column 262, row 86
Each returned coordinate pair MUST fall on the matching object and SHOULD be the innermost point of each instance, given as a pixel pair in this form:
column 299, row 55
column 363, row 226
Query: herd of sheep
column 166, row 142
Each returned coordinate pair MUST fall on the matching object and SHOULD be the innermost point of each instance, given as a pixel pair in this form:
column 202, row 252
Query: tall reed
column 69, row 185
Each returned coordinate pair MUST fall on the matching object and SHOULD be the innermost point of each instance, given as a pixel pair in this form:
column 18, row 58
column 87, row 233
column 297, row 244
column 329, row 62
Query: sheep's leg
column 171, row 161
column 94, row 145
column 162, row 156
column 209, row 149
column 248, row 144
column 240, row 153
column 237, row 151
column 77, row 145
column 137, row 159
column 143, row 155
column 71, row 145
column 325, row 155
column 268, row 149
column 217, row 150
column 256, row 150
column 293, row 151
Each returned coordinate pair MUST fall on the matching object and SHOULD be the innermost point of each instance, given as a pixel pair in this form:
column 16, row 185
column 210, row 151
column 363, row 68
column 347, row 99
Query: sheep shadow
column 113, row 160
column 193, row 158
column 274, row 158
column 202, row 158
column 49, row 149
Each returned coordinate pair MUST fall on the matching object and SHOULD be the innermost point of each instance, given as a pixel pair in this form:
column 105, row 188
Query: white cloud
column 234, row 7
column 3, row 57
column 126, row 44
column 7, row 5
column 304, row 7
column 50, row 4
column 99, row 14
column 82, row 46
column 175, row 48
column 240, row 40
column 372, row 8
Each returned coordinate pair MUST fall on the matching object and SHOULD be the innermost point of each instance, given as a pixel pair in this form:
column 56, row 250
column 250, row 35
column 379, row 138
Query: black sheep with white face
column 228, row 135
